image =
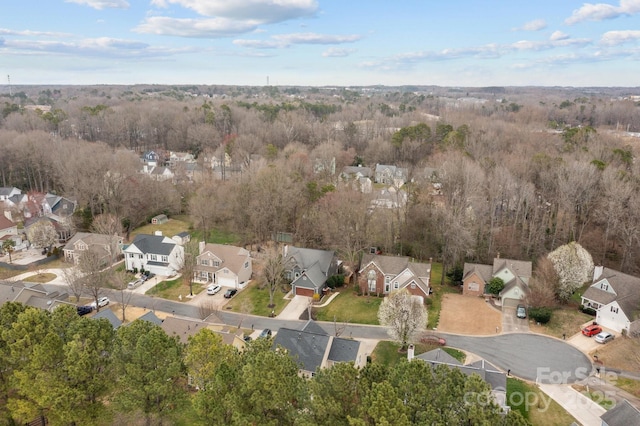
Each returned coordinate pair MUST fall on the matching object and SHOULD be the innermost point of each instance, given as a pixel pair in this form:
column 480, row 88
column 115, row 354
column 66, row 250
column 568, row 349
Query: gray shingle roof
column 306, row 258
column 391, row 265
column 306, row 348
column 623, row 414
column 109, row 316
column 343, row 350
column 438, row 356
column 627, row 288
column 153, row 244
column 484, row 271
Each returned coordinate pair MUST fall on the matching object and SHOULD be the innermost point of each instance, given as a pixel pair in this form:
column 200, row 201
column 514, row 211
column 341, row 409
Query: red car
column 433, row 340
column 591, row 330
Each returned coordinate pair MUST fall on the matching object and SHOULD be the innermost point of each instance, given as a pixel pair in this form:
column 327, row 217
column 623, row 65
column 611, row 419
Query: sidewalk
column 583, row 409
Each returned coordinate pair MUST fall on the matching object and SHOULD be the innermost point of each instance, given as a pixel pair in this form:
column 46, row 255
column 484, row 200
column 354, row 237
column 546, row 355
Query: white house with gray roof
column 616, row 299
column 155, row 253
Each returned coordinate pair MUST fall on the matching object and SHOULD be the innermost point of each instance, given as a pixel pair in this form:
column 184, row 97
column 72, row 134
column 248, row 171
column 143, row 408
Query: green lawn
column 169, row 229
column 253, row 300
column 217, row 236
column 351, row 308
column 386, row 352
column 172, row 290
column 535, row 405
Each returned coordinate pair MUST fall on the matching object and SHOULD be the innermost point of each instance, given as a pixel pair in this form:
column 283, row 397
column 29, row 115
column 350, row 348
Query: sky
column 321, row 42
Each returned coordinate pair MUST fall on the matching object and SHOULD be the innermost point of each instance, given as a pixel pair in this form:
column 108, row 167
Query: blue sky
column 321, row 42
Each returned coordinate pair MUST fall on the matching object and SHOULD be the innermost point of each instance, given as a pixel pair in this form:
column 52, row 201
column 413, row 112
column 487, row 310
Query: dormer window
column 371, row 280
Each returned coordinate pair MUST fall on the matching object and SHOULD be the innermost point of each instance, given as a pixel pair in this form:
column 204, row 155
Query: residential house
column 34, row 295
column 313, row 348
column 183, row 328
column 381, row 274
column 8, row 192
column 7, row 227
column 107, row 247
column 159, row 173
column 155, row 253
column 391, row 175
column 176, row 158
column 389, row 198
column 150, row 159
column 228, row 266
column 514, row 273
column 359, row 178
column 487, row 372
column 616, row 299
column 623, row 414
column 308, row 269
column 109, row 316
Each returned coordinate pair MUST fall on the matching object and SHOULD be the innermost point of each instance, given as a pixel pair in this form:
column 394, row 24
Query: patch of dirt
column 132, row 313
column 622, row 353
column 468, row 315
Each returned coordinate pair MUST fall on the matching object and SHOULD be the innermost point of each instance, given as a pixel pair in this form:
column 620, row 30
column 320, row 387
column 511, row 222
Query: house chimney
column 201, row 245
column 410, row 353
column 285, row 250
column 597, row 272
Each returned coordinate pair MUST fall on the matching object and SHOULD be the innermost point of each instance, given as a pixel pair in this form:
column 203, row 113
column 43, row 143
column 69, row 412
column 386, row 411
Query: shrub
column 335, row 281
column 588, row 310
column 541, row 315
column 495, row 285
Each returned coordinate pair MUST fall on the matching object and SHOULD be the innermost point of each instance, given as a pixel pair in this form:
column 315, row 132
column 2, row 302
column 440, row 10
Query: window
column 246, row 265
column 614, row 309
column 396, row 285
column 204, row 262
column 413, row 284
column 140, row 256
column 604, row 286
column 371, row 280
column 474, row 286
column 131, row 255
column 165, row 259
column 153, row 257
column 216, row 263
column 387, row 280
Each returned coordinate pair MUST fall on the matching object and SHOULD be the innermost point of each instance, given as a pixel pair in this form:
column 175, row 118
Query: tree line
column 73, row 370
column 518, row 181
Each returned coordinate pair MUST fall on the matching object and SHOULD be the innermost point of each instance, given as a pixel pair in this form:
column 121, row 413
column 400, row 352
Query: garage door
column 226, row 282
column 510, row 303
column 301, row 291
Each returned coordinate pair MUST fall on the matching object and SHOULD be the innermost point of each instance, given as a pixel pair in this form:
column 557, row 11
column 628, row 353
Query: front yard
column 254, row 300
column 174, row 290
column 535, row 405
column 348, row 307
column 565, row 320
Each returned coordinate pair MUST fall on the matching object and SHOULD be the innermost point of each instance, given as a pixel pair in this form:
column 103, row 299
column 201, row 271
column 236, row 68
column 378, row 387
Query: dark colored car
column 84, row 310
column 521, row 312
column 591, row 330
column 230, row 293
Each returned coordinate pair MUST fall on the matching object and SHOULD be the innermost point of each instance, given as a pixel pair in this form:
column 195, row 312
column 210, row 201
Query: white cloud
column 102, row 4
column 602, row 11
column 613, row 38
column 334, row 52
column 197, row 28
column 29, row 33
column 285, row 40
column 558, row 35
column 265, row 11
column 535, row 25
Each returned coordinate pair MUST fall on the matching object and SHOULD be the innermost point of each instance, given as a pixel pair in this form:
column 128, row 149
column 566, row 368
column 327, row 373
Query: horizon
column 321, row 43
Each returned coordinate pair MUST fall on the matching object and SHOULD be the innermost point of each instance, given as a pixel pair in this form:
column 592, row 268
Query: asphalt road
column 528, row 356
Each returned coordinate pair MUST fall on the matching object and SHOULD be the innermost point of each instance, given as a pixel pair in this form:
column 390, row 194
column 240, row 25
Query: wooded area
column 75, row 370
column 511, row 171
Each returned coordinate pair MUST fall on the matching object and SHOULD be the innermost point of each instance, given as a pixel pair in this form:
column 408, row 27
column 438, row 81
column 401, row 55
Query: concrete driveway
column 295, row 308
column 511, row 323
